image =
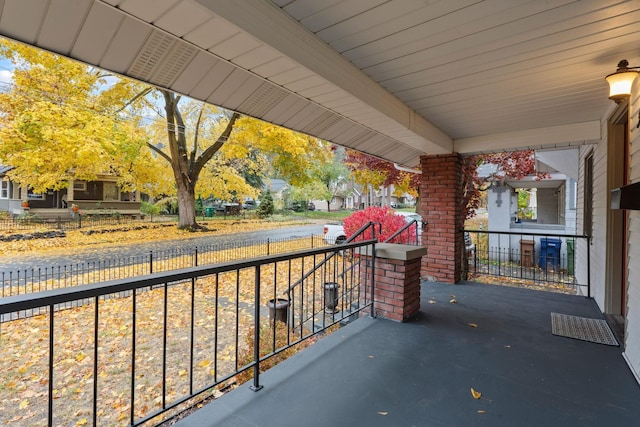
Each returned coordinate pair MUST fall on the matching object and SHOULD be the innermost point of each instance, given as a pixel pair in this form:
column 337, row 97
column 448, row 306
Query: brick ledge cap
column 399, row 252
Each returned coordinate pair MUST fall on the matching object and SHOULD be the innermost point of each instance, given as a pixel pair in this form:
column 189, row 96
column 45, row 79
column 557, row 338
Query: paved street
column 27, row 261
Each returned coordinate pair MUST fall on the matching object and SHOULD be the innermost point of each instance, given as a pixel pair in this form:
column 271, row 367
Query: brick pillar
column 396, row 292
column 441, row 207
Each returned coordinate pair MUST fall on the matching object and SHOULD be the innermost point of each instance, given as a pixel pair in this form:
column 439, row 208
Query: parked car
column 334, row 234
column 298, row 206
column 249, row 204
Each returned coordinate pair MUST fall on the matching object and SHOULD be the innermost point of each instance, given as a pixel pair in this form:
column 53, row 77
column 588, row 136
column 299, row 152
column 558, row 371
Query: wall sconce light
column 620, row 82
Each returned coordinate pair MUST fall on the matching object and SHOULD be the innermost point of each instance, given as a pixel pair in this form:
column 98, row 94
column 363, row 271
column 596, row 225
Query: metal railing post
column 51, row 363
column 588, row 266
column 256, row 334
column 373, row 279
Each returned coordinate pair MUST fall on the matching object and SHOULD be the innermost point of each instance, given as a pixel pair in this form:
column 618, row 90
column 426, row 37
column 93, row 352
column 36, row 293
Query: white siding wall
column 598, row 245
column 632, row 333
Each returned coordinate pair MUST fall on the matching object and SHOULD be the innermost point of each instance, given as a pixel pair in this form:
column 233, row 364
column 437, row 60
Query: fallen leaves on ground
column 224, row 308
column 128, row 233
column 525, row 283
column 473, row 325
column 114, row 270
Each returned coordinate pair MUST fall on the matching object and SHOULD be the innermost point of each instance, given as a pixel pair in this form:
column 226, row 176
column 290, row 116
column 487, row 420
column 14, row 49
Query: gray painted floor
column 377, row 372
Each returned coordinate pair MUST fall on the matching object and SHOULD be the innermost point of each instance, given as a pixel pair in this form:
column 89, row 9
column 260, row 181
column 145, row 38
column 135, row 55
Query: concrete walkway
column 377, row 372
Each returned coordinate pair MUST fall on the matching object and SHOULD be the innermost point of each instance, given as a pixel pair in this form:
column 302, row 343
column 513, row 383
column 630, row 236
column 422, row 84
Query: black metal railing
column 139, row 349
column 35, row 222
column 409, row 234
column 28, row 280
column 545, row 260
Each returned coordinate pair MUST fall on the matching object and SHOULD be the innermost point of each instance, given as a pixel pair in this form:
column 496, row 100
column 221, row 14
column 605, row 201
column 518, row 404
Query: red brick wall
column 441, row 208
column 397, row 289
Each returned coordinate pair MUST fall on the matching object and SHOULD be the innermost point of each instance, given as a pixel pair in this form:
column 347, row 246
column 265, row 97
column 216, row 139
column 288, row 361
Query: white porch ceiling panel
column 394, row 78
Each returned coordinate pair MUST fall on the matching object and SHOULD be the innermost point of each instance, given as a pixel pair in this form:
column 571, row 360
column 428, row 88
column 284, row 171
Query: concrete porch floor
column 377, row 372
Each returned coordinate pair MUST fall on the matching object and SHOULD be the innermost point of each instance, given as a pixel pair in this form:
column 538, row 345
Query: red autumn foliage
column 357, row 160
column 385, row 222
column 509, row 165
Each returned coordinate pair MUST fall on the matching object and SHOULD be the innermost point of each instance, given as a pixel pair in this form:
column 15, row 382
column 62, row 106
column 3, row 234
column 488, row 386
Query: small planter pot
column 331, row 297
column 278, row 309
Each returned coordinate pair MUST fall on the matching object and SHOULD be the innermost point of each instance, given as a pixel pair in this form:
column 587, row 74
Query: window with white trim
column 111, row 191
column 4, row 189
column 80, row 185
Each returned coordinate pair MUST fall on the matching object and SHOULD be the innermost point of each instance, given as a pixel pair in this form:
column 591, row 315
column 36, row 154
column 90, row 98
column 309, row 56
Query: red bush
column 385, row 222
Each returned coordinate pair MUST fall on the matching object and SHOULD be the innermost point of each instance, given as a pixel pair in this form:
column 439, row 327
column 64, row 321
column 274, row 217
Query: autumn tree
column 298, row 197
column 61, row 121
column 371, row 171
column 507, row 165
column 331, row 176
column 212, row 152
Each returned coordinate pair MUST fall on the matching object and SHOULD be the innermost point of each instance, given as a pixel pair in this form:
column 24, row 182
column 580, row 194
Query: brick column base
column 396, row 294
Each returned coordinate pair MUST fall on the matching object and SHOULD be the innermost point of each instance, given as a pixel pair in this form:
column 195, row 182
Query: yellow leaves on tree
column 290, row 154
column 57, row 125
column 63, row 120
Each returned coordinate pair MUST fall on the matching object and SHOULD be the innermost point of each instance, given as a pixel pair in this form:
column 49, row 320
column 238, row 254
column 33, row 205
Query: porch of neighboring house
column 496, row 340
column 100, row 197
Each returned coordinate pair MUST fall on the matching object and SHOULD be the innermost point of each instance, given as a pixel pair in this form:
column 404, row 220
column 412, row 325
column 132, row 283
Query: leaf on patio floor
column 453, row 301
column 432, row 301
column 382, row 412
column 473, row 325
column 482, row 411
column 23, row 404
column 82, row 422
column 370, row 357
column 475, row 394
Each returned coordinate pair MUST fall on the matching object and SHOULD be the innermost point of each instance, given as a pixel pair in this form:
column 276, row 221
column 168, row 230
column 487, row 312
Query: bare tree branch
column 210, row 151
column 142, row 94
column 159, row 151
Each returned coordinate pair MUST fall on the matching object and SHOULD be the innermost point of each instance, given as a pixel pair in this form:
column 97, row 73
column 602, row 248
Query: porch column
column 441, row 208
column 396, row 294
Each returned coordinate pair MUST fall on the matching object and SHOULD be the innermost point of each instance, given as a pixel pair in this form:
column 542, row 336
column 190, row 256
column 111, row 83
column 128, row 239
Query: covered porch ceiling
column 394, row 78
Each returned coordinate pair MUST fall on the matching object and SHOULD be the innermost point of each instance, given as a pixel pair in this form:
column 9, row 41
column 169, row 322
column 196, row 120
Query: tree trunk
column 328, row 205
column 186, row 206
column 187, row 163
